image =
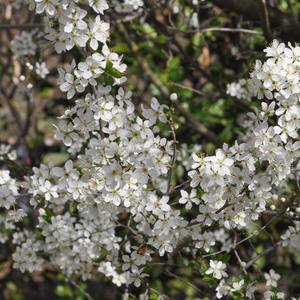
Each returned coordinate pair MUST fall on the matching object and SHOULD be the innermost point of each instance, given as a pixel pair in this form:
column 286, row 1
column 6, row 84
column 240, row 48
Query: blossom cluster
column 123, row 165
column 239, row 89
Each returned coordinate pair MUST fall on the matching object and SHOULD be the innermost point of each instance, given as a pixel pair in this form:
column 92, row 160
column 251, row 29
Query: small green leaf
column 191, row 264
column 115, row 73
column 63, row 291
column 174, row 63
column 246, row 278
column 211, row 250
column 108, row 66
column 211, row 283
column 224, row 258
column 60, row 276
column 203, row 271
column 207, row 278
column 49, row 213
column 237, row 295
column 108, row 80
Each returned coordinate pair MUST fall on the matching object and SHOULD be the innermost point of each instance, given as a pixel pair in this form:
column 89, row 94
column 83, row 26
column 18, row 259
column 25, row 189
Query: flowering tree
column 129, row 200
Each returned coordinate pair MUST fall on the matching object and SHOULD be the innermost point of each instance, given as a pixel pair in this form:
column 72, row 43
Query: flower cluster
column 239, row 89
column 123, row 165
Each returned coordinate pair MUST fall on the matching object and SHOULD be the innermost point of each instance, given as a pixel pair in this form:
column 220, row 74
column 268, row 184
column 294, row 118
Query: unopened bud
column 273, row 207
column 173, row 97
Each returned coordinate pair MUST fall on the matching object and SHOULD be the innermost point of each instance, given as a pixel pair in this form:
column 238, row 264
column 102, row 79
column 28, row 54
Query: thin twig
column 273, row 213
column 187, row 88
column 188, row 283
column 180, row 185
column 292, row 10
column 217, row 29
column 163, row 296
column 174, row 155
column 71, row 281
column 20, row 26
column 237, row 255
column 257, row 257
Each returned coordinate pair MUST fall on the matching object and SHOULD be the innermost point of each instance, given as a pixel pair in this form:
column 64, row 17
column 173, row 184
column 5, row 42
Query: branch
column 174, row 156
column 264, row 19
column 292, row 10
column 257, row 257
column 217, row 29
column 13, row 110
column 20, row 26
column 273, row 213
column 187, row 88
column 190, row 284
column 278, row 20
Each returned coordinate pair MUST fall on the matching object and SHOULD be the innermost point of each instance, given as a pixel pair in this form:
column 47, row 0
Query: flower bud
column 173, row 97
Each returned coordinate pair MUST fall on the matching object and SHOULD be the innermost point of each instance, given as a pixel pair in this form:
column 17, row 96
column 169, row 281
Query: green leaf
column 108, row 79
column 246, row 278
column 237, row 295
column 108, row 66
column 191, row 264
column 227, row 134
column 207, row 277
column 153, row 297
column 203, row 271
column 211, row 283
column 211, row 250
column 63, row 291
column 49, row 212
column 115, row 73
column 46, row 91
column 174, row 63
column 224, row 258
column 176, row 75
column 161, row 39
column 60, row 276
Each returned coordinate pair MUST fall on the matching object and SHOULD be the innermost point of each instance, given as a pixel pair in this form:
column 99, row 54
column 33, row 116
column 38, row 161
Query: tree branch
column 264, row 20
column 277, row 19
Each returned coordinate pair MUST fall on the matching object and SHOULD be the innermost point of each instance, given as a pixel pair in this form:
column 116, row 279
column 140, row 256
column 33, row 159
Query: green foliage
column 114, row 73
column 14, row 292
column 224, row 258
column 64, row 291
